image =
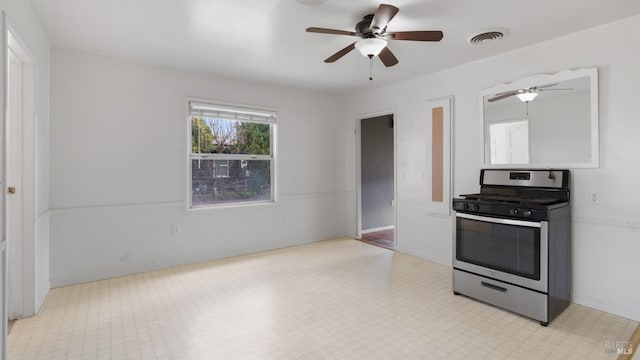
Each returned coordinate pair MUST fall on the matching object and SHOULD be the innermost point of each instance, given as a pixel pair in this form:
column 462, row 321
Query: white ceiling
column 265, row 40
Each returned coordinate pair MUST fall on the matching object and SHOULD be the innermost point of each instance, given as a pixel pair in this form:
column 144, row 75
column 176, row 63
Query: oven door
column 512, row 251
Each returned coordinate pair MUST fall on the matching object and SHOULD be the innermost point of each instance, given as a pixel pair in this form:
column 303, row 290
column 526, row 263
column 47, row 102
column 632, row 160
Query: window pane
column 243, row 181
column 224, row 136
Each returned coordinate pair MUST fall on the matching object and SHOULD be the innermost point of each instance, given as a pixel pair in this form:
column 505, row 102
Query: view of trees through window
column 220, row 136
column 231, row 161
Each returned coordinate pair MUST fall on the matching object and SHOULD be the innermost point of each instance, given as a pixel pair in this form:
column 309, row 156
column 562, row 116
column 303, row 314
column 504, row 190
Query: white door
column 3, row 242
column 13, row 177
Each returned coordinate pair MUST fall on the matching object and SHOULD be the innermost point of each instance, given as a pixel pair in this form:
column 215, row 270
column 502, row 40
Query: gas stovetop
column 513, row 199
column 517, row 194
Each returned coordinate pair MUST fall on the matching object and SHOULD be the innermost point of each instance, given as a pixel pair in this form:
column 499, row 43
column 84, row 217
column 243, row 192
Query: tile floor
column 336, row 299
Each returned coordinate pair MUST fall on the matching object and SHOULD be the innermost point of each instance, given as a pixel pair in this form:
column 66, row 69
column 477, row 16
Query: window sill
column 232, row 205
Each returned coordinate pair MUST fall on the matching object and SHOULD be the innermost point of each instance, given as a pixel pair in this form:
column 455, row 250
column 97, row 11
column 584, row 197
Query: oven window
column 508, row 248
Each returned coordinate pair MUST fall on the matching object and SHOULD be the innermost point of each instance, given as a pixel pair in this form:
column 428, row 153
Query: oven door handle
column 499, row 221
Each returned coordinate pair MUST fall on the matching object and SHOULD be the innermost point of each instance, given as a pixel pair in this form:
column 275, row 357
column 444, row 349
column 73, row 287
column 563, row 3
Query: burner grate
column 512, row 199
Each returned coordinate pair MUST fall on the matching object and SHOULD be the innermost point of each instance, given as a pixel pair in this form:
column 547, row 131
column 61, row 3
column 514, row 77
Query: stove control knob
column 527, row 213
column 465, row 206
column 475, row 207
column 514, row 212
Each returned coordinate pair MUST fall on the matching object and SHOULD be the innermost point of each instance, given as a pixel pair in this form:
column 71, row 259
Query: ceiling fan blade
column 427, row 35
column 553, row 89
column 502, row 96
column 511, row 92
column 387, row 57
column 381, row 18
column 330, row 31
column 543, row 86
column 340, row 53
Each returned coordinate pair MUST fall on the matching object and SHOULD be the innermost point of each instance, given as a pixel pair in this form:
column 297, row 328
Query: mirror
column 543, row 121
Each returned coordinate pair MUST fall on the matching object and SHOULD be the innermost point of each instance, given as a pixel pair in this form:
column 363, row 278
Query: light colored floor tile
column 337, row 299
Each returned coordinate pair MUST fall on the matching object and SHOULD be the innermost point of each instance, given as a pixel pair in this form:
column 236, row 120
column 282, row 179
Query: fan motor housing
column 362, row 27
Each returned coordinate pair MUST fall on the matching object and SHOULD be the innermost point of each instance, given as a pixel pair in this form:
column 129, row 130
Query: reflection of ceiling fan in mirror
column 373, row 31
column 525, row 95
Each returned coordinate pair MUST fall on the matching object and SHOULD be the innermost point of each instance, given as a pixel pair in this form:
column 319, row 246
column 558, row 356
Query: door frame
column 358, row 139
column 27, row 268
column 3, row 164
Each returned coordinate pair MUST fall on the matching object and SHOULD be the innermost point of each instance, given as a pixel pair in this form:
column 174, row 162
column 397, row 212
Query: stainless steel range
column 512, row 242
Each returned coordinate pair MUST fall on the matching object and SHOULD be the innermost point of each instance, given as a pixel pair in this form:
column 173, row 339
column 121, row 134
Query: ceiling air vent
column 488, row 36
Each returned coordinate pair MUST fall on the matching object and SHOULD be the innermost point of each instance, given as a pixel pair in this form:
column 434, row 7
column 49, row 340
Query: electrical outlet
column 421, row 175
column 594, row 198
column 175, row 228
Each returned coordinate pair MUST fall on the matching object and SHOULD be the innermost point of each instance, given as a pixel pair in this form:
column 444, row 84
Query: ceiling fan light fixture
column 527, row 96
column 371, row 46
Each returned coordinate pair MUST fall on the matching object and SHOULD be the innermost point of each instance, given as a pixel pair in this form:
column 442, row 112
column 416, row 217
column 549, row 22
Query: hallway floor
column 384, row 238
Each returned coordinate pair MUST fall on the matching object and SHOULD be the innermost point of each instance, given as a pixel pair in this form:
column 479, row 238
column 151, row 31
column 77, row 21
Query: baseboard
column 144, row 268
column 42, row 295
column 598, row 304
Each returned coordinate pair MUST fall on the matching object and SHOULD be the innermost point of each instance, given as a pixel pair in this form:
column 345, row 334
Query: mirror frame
column 591, row 73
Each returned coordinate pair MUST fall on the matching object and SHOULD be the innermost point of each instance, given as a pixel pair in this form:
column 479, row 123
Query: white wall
column 24, row 24
column 118, row 179
column 606, row 250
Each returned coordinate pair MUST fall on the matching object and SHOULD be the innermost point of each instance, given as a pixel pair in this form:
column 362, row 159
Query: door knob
column 11, row 190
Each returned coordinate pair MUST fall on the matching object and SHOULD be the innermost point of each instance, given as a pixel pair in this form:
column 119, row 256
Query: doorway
column 376, row 183
column 19, row 178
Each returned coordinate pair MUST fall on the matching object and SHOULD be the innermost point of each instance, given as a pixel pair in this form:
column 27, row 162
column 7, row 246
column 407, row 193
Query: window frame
column 190, row 156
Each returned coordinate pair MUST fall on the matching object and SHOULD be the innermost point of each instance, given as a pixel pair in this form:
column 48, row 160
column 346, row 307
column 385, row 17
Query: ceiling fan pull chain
column 370, row 67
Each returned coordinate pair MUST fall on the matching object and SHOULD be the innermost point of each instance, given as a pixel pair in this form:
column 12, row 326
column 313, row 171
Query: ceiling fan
column 372, row 30
column 525, row 95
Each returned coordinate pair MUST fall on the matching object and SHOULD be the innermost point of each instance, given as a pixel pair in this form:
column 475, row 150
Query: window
column 231, row 152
